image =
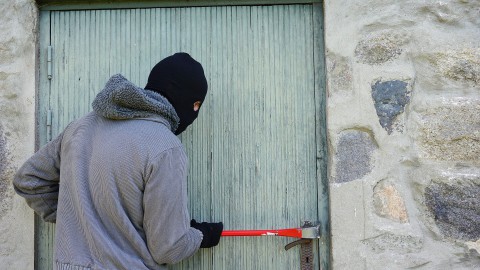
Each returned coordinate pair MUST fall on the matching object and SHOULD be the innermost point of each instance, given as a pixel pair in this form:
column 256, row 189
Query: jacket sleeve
column 170, row 238
column 38, row 180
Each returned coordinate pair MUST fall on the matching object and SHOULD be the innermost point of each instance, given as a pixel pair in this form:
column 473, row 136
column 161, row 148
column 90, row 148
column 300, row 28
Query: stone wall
column 18, row 28
column 403, row 81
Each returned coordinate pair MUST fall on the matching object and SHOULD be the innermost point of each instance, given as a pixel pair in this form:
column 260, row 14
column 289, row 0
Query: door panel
column 252, row 151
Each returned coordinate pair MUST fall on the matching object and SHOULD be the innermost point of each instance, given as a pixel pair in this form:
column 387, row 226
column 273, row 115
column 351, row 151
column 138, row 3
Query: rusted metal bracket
column 306, row 249
column 297, row 242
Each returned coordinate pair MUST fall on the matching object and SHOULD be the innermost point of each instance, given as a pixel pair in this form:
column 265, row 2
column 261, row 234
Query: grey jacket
column 115, row 184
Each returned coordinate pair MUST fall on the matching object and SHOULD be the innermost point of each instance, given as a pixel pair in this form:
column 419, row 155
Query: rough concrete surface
column 347, row 224
column 17, row 110
column 5, row 176
column 393, row 242
column 454, row 13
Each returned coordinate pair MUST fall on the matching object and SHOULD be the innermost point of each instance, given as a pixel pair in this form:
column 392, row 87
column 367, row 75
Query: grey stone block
column 455, row 208
column 354, row 155
column 461, row 65
column 339, row 73
column 381, row 47
column 390, row 99
column 388, row 202
column 451, row 131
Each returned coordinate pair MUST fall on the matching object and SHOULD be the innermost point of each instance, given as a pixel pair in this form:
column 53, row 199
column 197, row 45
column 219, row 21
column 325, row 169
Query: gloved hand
column 211, row 232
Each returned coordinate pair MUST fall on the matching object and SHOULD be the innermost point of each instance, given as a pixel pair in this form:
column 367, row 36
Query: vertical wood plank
column 44, row 232
column 321, row 135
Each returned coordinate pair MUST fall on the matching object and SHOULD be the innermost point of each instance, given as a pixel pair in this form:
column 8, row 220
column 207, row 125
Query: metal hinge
column 49, row 62
column 49, row 125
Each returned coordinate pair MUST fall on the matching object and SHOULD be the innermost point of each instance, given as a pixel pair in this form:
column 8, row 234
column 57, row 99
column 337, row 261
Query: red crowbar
column 310, row 232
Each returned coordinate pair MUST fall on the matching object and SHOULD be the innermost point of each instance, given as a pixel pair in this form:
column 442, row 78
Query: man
column 114, row 181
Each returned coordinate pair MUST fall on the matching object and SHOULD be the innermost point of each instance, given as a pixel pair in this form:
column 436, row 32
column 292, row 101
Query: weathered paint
column 255, row 151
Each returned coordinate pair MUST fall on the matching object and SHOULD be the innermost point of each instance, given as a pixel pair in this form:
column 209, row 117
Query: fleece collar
column 121, row 99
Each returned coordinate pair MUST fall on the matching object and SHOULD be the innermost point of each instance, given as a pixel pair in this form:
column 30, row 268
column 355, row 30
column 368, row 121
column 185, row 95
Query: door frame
column 43, row 93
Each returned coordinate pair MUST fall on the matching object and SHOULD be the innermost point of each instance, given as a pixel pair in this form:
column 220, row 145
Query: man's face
column 196, row 106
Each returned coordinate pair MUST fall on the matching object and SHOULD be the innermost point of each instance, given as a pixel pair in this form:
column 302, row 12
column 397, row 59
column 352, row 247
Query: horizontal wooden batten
column 120, row 4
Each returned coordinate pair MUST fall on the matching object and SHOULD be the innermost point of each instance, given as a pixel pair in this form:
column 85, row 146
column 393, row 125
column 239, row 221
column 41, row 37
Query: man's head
column 182, row 81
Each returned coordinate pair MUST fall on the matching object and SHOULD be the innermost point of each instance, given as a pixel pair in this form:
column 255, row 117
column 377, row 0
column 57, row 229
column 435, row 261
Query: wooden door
column 256, row 153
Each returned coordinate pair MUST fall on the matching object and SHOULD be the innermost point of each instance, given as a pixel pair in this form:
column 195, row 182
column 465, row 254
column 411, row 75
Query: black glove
column 211, row 232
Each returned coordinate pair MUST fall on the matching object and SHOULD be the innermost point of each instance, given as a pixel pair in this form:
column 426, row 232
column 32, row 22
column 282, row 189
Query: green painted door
column 257, row 150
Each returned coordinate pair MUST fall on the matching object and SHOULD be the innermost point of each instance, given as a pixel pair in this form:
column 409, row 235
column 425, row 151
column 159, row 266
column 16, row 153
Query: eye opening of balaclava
column 180, row 79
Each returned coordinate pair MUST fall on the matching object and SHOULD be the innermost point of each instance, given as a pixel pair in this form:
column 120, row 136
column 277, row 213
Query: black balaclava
column 182, row 81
